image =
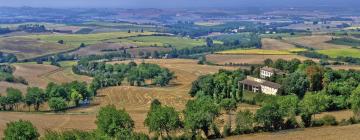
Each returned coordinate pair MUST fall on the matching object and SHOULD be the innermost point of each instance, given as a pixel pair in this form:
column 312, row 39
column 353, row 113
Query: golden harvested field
column 45, row 121
column 136, row 100
column 5, row 85
column 33, row 73
column 249, row 59
column 316, row 133
column 345, row 67
column 39, row 75
column 350, row 132
column 274, row 44
column 316, row 42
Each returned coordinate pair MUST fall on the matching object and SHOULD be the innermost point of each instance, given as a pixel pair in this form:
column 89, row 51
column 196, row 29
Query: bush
column 20, row 130
column 344, row 122
column 57, row 103
column 226, row 130
column 329, row 120
column 291, row 123
column 317, row 122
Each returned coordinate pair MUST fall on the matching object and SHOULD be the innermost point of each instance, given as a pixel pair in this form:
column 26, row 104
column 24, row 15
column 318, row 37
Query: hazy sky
column 176, row 3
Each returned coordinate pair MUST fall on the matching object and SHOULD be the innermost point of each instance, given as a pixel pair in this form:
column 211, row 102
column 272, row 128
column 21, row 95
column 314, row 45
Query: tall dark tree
column 35, row 96
column 114, row 122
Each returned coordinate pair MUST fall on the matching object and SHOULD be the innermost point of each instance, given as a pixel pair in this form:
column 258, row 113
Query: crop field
column 49, row 26
column 316, row 41
column 136, row 100
column 351, row 52
column 162, row 41
column 24, row 47
column 39, row 75
column 345, row 67
column 255, row 52
column 209, row 23
column 117, row 26
column 88, row 39
column 317, row 133
column 50, row 121
column 250, row 59
column 273, row 44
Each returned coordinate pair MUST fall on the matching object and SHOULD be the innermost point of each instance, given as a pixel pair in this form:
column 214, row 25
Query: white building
column 260, row 86
column 267, row 72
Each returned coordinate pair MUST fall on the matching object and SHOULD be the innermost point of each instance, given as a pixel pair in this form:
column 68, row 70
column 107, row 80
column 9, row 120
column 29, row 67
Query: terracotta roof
column 251, row 81
column 270, row 69
column 271, row 84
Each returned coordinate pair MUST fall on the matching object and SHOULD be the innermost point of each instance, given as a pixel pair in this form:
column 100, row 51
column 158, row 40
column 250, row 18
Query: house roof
column 254, row 82
column 271, row 84
column 270, row 69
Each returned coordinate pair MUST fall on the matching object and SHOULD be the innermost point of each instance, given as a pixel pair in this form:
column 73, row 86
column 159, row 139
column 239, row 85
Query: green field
column 88, row 39
column 333, row 53
column 255, row 52
column 161, row 41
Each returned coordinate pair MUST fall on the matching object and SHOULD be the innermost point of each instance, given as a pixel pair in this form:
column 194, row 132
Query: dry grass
column 318, row 133
column 24, row 47
column 255, row 52
column 315, row 133
column 136, row 100
column 273, row 44
column 5, row 85
column 316, row 42
column 49, row 121
column 249, row 59
column 33, row 73
column 345, row 67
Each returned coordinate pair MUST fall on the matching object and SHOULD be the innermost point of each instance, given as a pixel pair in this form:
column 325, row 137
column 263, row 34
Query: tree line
column 106, row 75
column 58, row 97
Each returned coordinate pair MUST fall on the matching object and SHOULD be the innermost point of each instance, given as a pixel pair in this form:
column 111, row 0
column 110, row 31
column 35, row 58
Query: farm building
column 259, row 86
column 266, row 72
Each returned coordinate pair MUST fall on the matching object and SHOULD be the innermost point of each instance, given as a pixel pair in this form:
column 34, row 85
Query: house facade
column 259, row 86
column 267, row 72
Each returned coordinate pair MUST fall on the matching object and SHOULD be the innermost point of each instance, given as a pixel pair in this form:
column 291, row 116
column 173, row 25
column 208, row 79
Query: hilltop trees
column 13, row 98
column 270, row 116
column 162, row 119
column 296, row 83
column 220, row 86
column 200, row 114
column 114, row 122
column 113, row 75
column 312, row 104
column 244, row 122
column 35, row 96
column 20, row 130
column 57, row 103
column 355, row 102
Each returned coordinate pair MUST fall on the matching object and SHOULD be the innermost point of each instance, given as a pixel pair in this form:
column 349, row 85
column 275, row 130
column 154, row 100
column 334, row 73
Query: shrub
column 226, row 130
column 329, row 120
column 57, row 103
column 291, row 123
column 20, row 130
column 317, row 122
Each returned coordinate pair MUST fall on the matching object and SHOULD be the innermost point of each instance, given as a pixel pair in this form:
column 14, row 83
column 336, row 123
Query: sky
column 175, row 3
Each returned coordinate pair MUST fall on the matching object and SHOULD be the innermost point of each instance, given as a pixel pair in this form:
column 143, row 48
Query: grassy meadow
column 255, row 51
column 333, row 53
